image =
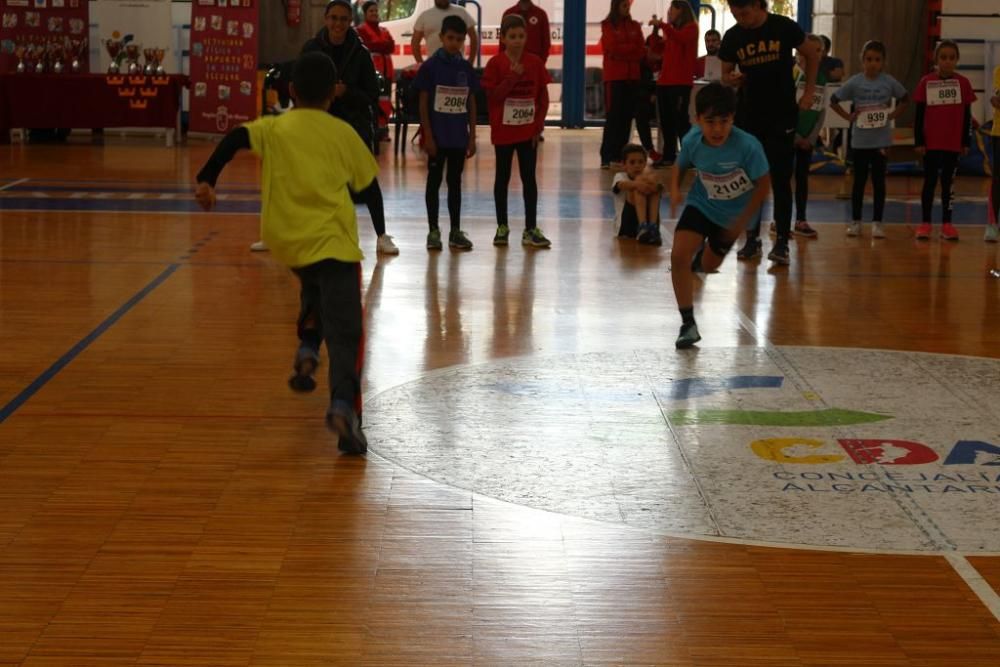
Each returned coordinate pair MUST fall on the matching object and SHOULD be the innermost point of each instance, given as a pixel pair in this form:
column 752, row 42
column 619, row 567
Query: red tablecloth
column 89, row 100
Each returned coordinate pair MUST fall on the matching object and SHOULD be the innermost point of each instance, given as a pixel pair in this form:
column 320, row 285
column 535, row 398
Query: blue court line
column 53, row 370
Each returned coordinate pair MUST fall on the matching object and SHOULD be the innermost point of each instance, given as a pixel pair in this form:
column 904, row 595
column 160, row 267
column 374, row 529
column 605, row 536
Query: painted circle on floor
column 805, row 446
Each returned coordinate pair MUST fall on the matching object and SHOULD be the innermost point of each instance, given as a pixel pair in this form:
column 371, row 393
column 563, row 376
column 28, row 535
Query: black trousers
column 803, row 160
column 454, row 160
column 874, row 161
column 644, row 109
column 330, row 310
column 675, row 120
column 527, row 157
column 779, row 147
column 937, row 164
column 619, row 99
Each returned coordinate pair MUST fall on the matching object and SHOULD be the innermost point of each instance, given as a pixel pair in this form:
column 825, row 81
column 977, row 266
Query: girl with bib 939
column 872, row 92
column 515, row 82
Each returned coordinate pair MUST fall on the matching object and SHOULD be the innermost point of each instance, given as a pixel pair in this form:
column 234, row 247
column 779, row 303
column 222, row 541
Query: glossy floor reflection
column 165, row 500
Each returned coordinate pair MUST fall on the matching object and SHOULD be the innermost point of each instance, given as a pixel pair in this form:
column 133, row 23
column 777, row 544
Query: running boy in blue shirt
column 732, row 180
column 447, row 84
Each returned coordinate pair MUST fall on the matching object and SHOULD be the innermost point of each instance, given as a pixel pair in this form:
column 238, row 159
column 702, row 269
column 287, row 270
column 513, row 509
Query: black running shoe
column 751, row 250
column 779, row 253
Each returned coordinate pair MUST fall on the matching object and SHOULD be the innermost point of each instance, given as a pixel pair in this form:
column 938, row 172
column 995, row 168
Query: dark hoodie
column 358, row 105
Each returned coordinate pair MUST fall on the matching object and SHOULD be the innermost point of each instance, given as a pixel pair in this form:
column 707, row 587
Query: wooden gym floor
column 165, row 500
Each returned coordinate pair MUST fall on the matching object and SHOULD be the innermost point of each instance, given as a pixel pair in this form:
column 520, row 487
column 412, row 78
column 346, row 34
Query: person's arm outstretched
column 235, row 141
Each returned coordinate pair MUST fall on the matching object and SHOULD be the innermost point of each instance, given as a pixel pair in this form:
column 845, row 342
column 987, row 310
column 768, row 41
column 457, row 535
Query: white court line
column 975, row 581
column 13, row 183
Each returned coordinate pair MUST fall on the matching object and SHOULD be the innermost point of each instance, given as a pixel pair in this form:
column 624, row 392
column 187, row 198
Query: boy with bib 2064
column 732, row 180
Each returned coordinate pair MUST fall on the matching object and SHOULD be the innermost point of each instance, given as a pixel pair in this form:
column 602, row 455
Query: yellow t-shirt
column 310, row 159
column 996, row 92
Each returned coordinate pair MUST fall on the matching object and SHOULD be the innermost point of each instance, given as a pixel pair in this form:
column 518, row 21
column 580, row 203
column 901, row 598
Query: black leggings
column 995, row 192
column 372, row 198
column 875, row 161
column 455, row 160
column 619, row 97
column 944, row 163
column 675, row 120
column 803, row 160
column 526, row 160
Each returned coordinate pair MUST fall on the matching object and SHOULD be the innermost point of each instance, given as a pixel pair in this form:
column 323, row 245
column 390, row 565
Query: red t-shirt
column 517, row 103
column 679, row 56
column 944, row 117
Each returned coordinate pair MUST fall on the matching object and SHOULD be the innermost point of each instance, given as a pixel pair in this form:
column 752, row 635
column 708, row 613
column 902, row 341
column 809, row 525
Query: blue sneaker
column 342, row 421
column 646, row 230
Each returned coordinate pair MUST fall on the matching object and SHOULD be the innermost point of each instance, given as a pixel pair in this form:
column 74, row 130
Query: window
column 393, row 10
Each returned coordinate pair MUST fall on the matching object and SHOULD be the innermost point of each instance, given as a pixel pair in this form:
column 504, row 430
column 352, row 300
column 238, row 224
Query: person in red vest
column 381, row 44
column 537, row 21
column 624, row 49
column 673, row 87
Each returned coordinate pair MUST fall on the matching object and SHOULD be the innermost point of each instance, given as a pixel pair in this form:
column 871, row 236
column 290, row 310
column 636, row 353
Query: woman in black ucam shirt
column 762, row 45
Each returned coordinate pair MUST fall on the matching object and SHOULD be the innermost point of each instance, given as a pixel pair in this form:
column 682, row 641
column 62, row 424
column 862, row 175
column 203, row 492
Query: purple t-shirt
column 449, row 82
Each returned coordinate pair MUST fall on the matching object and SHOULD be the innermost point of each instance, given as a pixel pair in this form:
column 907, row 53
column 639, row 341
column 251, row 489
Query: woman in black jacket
column 356, row 97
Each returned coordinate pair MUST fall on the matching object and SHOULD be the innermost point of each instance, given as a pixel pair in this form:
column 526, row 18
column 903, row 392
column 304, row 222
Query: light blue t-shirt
column 724, row 181
column 872, row 100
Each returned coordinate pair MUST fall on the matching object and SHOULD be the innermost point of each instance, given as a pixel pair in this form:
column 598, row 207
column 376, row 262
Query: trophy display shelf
column 91, row 101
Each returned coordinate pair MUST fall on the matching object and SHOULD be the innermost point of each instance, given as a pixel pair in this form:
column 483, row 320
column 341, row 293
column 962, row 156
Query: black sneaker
column 779, row 253
column 342, row 420
column 751, row 250
column 306, row 361
column 688, row 337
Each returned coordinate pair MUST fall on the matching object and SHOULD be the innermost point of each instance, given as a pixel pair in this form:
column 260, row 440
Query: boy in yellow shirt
column 310, row 163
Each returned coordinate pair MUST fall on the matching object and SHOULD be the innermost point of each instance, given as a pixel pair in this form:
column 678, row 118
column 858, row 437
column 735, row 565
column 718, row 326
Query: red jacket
column 501, row 84
column 381, row 44
column 680, row 55
column 624, row 48
column 539, row 36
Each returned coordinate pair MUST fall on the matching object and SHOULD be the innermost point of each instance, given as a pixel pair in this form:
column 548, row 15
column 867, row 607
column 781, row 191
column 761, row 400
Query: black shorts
column 630, row 222
column 720, row 240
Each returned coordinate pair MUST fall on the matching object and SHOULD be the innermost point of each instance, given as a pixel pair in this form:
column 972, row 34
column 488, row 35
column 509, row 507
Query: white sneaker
column 992, row 234
column 385, row 246
column 854, row 229
column 877, row 231
column 258, row 246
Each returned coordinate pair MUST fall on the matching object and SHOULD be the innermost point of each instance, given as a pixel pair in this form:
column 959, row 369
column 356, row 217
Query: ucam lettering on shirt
column 759, row 53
